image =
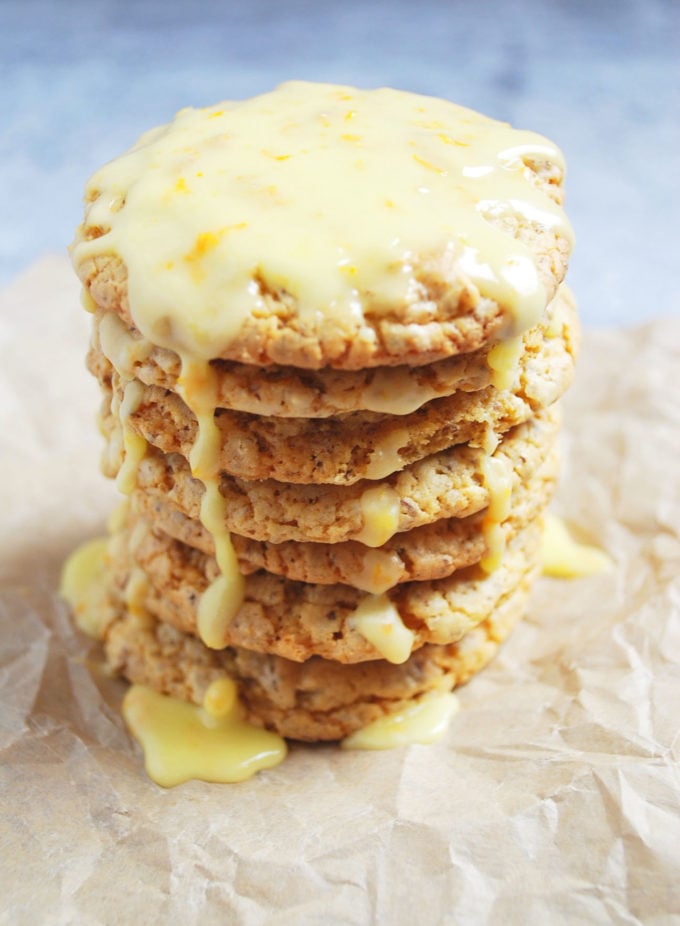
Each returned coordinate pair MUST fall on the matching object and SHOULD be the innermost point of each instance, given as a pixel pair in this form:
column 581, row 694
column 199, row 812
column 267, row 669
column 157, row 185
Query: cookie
column 298, row 620
column 312, row 700
column 270, row 231
column 331, row 332
column 344, row 449
column 289, row 392
column 448, row 484
column 432, row 551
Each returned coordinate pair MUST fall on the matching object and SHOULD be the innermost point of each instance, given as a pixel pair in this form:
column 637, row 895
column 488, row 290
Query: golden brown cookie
column 287, row 392
column 344, row 449
column 313, row 700
column 298, row 620
column 449, row 484
column 279, row 237
column 432, row 551
column 447, row 318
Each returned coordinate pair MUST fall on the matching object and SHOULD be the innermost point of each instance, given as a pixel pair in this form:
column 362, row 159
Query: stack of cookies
column 331, row 331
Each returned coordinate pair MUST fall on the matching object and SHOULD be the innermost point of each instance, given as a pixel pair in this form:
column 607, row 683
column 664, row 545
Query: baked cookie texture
column 306, row 450
column 300, row 619
column 331, row 392
column 313, row 700
column 290, row 392
column 431, row 551
column 406, row 286
column 448, row 484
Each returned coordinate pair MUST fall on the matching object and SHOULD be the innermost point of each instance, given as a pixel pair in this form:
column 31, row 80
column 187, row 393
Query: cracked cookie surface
column 298, row 620
column 448, row 484
column 312, row 700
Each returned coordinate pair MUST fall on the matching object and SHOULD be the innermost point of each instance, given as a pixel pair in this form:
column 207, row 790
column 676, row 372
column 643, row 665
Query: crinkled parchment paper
column 554, row 798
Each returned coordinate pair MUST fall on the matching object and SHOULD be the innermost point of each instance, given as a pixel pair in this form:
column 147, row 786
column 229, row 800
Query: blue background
column 81, row 79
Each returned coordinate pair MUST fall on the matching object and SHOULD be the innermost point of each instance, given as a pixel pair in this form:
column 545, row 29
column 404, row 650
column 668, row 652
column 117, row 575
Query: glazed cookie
column 331, row 332
column 359, row 445
column 313, row 700
column 432, row 551
column 258, row 254
column 298, row 620
column 449, row 484
column 287, row 392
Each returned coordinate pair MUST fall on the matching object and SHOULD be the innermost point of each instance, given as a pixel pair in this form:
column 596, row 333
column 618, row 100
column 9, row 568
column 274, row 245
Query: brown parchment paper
column 554, row 798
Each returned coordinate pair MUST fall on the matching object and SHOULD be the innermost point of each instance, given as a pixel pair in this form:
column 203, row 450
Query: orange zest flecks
column 429, row 166
column 452, row 141
column 204, row 244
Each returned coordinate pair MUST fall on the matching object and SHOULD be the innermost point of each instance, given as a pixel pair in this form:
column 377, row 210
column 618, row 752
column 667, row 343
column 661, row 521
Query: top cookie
column 320, row 225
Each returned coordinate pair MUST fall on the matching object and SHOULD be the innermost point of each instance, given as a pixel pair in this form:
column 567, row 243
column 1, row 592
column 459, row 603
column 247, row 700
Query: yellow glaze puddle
column 422, row 722
column 83, row 585
column 566, row 558
column 211, row 743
